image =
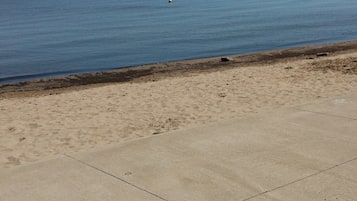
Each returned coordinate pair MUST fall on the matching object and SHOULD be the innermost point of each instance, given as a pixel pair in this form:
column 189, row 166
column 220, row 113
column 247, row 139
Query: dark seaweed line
column 131, row 73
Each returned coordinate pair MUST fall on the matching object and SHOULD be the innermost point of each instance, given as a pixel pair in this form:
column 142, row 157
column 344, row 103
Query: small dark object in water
column 225, row 59
column 322, row 54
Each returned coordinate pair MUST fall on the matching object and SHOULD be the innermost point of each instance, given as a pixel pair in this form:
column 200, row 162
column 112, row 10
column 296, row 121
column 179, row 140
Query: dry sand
column 36, row 125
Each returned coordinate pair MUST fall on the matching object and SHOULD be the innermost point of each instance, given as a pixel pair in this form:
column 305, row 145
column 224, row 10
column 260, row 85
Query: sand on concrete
column 40, row 124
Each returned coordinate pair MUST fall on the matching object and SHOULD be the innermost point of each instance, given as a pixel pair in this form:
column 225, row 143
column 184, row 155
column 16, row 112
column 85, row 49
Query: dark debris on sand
column 345, row 65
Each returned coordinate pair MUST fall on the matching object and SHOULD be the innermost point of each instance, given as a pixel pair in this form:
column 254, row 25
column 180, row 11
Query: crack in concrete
column 326, row 114
column 116, row 177
column 298, row 180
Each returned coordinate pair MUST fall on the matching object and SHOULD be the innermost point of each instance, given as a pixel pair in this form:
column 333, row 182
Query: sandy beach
column 44, row 118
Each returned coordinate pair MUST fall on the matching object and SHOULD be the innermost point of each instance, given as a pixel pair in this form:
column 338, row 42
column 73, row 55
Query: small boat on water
column 170, row 1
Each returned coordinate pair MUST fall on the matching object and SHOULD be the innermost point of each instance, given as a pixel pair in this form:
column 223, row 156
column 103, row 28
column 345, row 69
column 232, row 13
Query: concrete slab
column 234, row 160
column 316, row 136
column 339, row 183
column 344, row 107
column 63, row 179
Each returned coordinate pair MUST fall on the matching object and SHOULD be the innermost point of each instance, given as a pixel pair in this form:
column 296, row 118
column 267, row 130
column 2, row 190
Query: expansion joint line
column 116, row 177
column 326, row 114
column 298, row 180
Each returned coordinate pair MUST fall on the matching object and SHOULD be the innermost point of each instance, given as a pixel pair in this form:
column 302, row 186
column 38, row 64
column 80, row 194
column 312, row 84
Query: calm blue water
column 43, row 38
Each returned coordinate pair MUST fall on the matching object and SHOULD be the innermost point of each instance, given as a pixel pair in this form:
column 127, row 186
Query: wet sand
column 43, row 118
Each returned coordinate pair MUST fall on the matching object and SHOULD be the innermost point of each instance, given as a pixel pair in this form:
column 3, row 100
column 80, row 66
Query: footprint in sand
column 22, row 139
column 222, row 95
column 11, row 129
column 13, row 161
column 34, row 125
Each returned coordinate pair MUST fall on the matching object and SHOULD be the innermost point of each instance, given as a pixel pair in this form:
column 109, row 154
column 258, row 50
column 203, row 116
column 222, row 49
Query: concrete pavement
column 306, row 152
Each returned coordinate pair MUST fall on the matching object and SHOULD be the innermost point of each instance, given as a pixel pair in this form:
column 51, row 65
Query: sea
column 47, row 38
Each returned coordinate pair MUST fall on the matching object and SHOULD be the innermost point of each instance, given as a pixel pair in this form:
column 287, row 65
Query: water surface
column 44, row 38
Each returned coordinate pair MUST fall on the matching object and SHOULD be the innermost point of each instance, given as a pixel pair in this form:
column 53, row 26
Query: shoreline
column 167, row 69
column 44, row 123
